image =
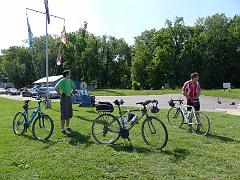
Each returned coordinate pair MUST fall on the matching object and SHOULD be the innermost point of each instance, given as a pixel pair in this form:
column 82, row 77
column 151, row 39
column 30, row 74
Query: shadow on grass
column 130, row 148
column 222, row 138
column 92, row 112
column 56, row 110
column 78, row 138
column 84, row 118
column 48, row 142
column 177, row 154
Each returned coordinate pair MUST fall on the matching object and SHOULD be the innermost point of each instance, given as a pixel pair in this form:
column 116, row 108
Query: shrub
column 136, row 85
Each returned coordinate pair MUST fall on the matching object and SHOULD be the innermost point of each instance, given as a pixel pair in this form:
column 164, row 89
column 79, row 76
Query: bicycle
column 197, row 121
column 42, row 127
column 106, row 128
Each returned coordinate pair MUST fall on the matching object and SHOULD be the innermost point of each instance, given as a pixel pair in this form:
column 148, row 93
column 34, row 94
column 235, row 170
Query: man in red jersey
column 191, row 90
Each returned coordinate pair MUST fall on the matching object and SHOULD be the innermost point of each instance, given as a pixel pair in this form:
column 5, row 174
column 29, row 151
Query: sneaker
column 68, row 129
column 63, row 131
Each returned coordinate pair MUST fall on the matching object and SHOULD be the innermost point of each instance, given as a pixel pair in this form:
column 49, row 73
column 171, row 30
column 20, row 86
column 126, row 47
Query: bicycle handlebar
column 178, row 100
column 148, row 102
column 118, row 102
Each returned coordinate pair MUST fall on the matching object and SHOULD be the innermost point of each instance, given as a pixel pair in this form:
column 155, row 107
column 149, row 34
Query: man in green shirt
column 64, row 88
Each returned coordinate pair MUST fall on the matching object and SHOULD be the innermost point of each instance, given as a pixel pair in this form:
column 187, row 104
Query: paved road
column 208, row 103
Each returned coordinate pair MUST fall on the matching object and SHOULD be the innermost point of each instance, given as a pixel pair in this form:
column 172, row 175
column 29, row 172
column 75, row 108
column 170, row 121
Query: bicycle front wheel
column 154, row 132
column 175, row 117
column 201, row 124
column 42, row 127
column 106, row 129
column 19, row 123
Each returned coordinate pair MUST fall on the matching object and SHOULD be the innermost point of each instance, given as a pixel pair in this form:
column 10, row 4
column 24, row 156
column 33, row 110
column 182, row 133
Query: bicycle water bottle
column 133, row 120
column 125, row 122
column 185, row 113
column 33, row 114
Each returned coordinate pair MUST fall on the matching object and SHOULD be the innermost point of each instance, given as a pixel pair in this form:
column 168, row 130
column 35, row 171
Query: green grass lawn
column 131, row 92
column 78, row 156
column 234, row 93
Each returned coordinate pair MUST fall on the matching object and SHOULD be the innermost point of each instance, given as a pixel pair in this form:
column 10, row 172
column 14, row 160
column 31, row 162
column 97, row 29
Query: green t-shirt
column 66, row 86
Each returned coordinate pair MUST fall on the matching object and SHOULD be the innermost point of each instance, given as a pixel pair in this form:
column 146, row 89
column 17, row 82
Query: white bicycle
column 197, row 121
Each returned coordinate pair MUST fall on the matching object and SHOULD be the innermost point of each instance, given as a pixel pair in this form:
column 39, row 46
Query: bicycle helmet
column 171, row 103
column 154, row 109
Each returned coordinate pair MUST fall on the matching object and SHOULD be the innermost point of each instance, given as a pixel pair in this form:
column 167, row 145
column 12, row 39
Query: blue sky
column 120, row 18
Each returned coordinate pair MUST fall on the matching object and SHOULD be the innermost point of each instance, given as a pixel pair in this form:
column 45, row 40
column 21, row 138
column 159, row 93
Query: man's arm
column 184, row 92
column 73, row 88
column 58, row 90
column 198, row 93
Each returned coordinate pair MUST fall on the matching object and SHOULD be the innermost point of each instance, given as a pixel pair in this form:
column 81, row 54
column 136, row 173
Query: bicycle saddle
column 27, row 101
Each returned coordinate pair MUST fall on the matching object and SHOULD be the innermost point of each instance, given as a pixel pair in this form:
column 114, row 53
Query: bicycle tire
column 175, row 117
column 101, row 127
column 201, row 127
column 161, row 133
column 41, row 130
column 19, row 121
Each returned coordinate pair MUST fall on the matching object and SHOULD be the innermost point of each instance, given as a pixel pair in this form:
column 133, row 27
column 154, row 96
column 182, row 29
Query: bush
column 136, row 85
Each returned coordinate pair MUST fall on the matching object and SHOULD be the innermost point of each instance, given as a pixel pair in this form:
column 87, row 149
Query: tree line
column 158, row 58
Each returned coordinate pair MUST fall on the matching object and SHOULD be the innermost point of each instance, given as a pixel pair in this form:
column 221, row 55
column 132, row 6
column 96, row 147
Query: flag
column 64, row 36
column 30, row 34
column 59, row 58
column 47, row 11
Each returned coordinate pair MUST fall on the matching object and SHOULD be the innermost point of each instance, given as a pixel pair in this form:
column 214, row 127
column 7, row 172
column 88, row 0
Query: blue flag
column 47, row 11
column 30, row 35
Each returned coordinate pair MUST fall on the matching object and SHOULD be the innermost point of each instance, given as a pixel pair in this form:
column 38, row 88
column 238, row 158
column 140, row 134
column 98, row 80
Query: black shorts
column 66, row 107
column 196, row 105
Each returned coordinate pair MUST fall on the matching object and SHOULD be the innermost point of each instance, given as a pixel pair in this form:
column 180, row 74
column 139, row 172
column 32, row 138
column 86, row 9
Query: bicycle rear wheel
column 106, row 129
column 175, row 117
column 201, row 124
column 19, row 126
column 42, row 127
column 154, row 132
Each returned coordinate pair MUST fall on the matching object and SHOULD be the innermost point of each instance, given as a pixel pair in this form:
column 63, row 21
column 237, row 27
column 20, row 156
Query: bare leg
column 67, row 122
column 62, row 123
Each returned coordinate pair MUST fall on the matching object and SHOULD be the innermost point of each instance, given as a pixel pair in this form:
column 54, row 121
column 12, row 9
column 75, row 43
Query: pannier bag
column 104, row 107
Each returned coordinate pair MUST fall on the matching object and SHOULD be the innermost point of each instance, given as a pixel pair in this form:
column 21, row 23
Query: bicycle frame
column 121, row 113
column 187, row 113
column 26, row 110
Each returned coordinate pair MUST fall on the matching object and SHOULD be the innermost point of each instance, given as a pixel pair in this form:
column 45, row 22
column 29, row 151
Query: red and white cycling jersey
column 191, row 88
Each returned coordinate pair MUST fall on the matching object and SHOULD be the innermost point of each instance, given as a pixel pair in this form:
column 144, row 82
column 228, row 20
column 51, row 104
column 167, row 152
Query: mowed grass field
column 233, row 94
column 78, row 156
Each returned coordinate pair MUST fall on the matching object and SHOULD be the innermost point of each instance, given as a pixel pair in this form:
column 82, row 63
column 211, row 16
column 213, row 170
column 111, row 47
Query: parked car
column 52, row 92
column 3, row 91
column 30, row 93
column 13, row 91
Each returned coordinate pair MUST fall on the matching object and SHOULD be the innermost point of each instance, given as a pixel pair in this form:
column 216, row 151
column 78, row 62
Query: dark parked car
column 30, row 93
column 52, row 92
column 13, row 91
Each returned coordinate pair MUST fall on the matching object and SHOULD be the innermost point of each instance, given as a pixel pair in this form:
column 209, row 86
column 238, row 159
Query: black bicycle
column 107, row 128
column 42, row 127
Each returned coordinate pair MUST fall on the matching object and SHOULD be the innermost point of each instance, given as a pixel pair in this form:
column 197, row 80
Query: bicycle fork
column 41, row 121
column 151, row 127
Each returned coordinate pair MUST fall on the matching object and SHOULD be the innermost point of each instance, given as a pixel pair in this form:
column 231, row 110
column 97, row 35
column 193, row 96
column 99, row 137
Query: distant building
column 52, row 80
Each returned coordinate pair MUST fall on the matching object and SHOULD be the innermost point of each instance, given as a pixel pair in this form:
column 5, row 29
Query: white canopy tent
column 51, row 80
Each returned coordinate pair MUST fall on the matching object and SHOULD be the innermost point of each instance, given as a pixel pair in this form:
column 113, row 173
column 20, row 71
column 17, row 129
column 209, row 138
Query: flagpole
column 48, row 102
